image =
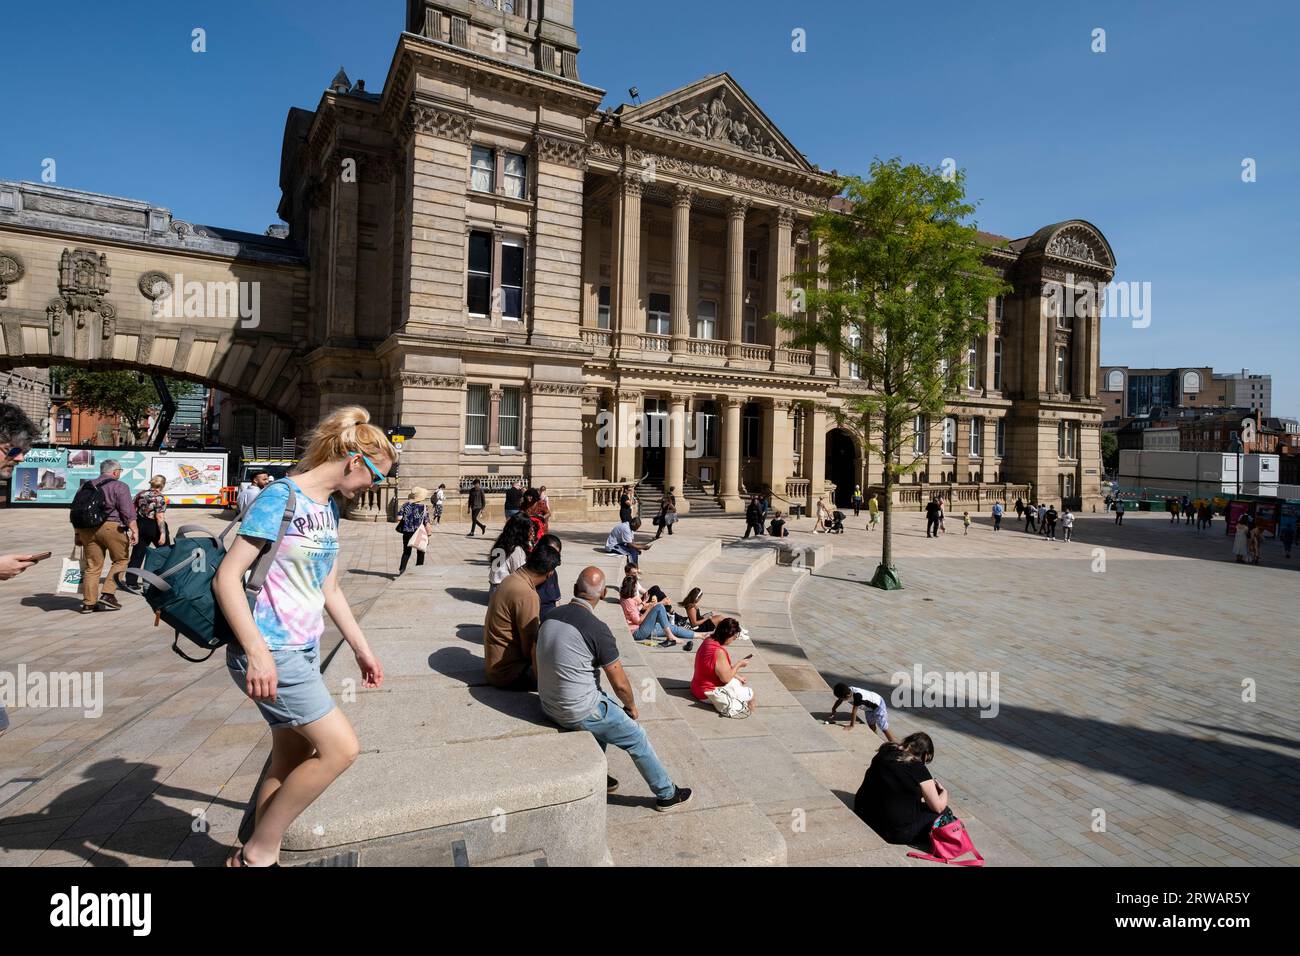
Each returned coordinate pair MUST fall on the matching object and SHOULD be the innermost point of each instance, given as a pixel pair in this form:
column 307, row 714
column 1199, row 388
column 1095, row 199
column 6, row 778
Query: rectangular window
column 1067, row 440
column 997, row 362
column 998, row 305
column 516, row 176
column 949, row 437
column 920, row 435
column 480, row 273
column 483, row 170
column 65, row 421
column 1001, row 437
column 658, row 316
column 512, row 279
column 855, row 343
column 476, row 417
column 749, row 330
column 977, row 437
column 508, row 418
column 602, row 308
column 753, row 263
column 706, row 320
column 1062, row 378
column 972, row 365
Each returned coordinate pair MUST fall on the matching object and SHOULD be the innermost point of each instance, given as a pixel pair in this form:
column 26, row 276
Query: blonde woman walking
column 275, row 659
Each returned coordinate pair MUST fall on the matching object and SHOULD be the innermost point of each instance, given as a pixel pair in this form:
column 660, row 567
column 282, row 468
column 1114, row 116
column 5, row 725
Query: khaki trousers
column 108, row 539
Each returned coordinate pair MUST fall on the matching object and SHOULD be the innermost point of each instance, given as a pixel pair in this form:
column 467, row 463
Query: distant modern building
column 1129, row 392
column 1161, row 438
column 1246, row 390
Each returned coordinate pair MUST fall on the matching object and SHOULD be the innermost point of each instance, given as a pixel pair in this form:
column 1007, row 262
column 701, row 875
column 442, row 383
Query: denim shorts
column 301, row 697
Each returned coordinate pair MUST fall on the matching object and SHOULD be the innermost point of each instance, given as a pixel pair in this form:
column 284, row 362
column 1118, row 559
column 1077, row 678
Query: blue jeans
column 4, row 719
column 658, row 624
column 632, row 554
column 610, row 724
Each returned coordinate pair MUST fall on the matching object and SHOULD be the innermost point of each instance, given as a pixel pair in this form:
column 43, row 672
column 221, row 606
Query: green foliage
column 128, row 396
column 1109, row 452
column 899, row 289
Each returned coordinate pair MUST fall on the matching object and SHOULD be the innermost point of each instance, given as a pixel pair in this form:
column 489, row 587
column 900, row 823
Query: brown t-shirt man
column 510, row 632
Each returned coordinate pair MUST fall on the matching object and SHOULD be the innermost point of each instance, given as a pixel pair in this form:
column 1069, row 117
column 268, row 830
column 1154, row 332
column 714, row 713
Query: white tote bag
column 70, row 576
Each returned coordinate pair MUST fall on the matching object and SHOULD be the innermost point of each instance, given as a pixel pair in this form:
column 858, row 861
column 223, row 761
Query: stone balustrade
column 376, row 503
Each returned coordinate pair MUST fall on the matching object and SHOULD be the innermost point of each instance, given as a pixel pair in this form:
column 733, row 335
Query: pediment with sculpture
column 718, row 113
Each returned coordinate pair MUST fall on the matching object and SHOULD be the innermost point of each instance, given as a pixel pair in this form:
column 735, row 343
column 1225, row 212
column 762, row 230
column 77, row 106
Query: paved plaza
column 1119, row 691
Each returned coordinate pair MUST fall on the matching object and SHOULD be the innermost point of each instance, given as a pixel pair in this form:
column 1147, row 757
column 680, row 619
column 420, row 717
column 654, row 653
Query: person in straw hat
column 413, row 524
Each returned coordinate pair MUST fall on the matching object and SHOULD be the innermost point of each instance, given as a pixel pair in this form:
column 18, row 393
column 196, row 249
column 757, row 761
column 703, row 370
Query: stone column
column 780, row 266
column 964, row 425
column 675, row 468
column 494, row 421
column 681, row 329
column 591, row 248
column 820, row 361
column 626, row 292
column 778, row 445
column 814, row 453
column 626, row 419
column 736, row 211
column 729, row 492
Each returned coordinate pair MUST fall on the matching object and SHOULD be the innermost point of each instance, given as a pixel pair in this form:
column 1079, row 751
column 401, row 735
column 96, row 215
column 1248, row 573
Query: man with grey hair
column 114, row 537
column 573, row 646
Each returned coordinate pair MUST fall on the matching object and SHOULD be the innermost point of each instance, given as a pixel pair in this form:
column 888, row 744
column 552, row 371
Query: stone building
column 578, row 296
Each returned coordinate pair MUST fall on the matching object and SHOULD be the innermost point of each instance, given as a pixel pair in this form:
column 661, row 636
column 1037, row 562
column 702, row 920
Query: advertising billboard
column 52, row 476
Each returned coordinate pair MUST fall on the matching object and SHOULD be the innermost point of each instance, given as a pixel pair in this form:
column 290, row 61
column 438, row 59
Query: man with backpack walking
column 104, row 517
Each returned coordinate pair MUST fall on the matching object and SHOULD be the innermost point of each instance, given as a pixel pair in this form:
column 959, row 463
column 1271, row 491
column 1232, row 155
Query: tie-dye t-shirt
column 290, row 610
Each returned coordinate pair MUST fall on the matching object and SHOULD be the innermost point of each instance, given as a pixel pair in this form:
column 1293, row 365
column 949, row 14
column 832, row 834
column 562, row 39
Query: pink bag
column 949, row 842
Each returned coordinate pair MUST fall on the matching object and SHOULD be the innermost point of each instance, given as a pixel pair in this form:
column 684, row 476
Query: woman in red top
column 713, row 667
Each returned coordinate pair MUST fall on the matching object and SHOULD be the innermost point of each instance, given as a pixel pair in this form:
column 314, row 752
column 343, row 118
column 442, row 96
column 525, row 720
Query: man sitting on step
column 573, row 646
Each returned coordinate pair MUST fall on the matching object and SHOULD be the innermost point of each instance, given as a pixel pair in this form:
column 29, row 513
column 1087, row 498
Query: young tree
column 898, row 289
column 1109, row 453
column 127, row 396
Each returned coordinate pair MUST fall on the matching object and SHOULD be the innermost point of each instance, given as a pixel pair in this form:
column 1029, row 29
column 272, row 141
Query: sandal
column 241, row 863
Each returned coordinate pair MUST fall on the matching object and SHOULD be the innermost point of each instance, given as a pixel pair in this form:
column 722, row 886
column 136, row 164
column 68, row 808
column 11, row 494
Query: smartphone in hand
column 38, row 558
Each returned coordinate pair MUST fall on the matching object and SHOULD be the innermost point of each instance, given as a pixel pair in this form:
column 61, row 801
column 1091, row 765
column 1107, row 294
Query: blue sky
column 1145, row 140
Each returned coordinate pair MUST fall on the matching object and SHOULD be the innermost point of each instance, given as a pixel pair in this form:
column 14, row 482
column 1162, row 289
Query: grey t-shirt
column 572, row 646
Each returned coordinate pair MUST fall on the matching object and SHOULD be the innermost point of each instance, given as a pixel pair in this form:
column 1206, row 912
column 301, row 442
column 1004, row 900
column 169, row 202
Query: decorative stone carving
column 738, row 206
column 558, row 388
column 608, row 151
column 155, row 286
column 718, row 177
column 683, row 196
column 181, row 228
column 441, row 123
column 785, row 217
column 718, row 122
column 632, row 183
column 417, row 380
column 563, row 152
column 11, row 270
column 83, row 284
column 1071, row 247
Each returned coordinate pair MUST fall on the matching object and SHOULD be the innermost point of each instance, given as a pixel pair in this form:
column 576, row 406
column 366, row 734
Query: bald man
column 573, row 646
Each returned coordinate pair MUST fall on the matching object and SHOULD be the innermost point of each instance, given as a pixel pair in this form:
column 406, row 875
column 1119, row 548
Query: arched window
column 1191, row 383
column 1115, row 381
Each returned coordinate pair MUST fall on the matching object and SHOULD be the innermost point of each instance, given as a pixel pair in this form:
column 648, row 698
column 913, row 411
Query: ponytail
column 343, row 433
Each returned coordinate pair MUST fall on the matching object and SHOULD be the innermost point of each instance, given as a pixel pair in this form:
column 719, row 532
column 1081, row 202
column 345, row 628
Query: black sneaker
column 680, row 796
column 88, row 609
column 690, row 645
column 108, row 602
column 611, row 784
column 131, row 589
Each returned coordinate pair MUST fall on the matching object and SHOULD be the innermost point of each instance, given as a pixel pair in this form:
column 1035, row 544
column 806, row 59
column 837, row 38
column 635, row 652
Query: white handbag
column 726, row 703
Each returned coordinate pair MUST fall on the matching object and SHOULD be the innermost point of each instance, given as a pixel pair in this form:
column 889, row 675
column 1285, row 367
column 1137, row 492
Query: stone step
column 760, row 756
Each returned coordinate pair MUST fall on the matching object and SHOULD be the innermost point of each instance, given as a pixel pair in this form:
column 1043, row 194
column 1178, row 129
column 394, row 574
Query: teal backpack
column 178, row 582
